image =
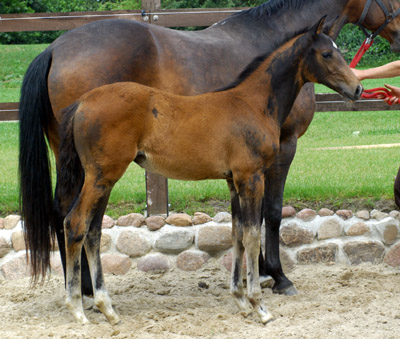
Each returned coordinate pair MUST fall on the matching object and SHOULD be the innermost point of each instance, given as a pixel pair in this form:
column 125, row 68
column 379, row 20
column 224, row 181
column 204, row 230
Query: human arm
column 390, row 70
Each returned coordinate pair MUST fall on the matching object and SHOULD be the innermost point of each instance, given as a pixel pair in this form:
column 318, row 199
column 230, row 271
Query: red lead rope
column 379, row 92
column 364, row 47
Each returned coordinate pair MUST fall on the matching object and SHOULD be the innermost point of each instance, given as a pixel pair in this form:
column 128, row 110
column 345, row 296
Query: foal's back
column 187, row 138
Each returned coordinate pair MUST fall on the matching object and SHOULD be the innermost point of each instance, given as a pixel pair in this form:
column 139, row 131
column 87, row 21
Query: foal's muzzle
column 358, row 92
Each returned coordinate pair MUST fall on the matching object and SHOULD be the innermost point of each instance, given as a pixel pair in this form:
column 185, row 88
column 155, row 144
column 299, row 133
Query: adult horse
column 180, row 62
column 111, row 126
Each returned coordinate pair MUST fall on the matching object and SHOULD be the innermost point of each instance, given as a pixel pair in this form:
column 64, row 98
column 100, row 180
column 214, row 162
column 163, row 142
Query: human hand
column 395, row 94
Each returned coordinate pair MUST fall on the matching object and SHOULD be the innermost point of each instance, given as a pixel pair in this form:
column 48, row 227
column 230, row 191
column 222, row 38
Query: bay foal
column 232, row 134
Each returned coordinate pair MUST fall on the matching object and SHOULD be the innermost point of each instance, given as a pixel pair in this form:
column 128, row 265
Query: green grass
column 342, row 174
column 8, row 168
column 332, row 177
column 14, row 60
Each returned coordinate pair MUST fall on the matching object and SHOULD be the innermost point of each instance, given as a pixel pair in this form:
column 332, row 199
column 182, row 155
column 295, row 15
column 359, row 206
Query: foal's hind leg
column 59, row 216
column 92, row 247
column 78, row 230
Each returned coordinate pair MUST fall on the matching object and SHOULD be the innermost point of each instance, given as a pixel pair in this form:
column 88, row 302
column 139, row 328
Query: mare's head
column 323, row 63
column 377, row 15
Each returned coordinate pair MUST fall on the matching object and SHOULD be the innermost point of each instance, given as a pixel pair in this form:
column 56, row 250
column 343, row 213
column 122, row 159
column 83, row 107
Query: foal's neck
column 275, row 84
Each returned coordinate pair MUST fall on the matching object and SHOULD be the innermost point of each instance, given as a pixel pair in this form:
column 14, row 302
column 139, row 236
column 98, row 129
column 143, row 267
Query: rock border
column 155, row 244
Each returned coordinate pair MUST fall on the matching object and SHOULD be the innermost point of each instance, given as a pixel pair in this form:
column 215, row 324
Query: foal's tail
column 70, row 173
column 36, row 198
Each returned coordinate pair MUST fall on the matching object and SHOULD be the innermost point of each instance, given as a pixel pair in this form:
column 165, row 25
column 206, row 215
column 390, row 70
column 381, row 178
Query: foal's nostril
column 359, row 91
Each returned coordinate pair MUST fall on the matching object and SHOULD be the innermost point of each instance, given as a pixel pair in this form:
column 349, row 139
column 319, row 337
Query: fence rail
column 70, row 20
column 324, row 103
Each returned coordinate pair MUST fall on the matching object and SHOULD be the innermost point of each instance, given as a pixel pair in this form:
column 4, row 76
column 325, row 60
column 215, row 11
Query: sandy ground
column 333, row 302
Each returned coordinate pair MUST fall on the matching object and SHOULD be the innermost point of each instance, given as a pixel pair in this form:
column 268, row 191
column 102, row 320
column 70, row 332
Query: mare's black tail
column 36, row 198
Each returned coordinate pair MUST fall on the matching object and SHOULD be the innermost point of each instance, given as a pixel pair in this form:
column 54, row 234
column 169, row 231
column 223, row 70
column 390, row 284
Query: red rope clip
column 364, row 47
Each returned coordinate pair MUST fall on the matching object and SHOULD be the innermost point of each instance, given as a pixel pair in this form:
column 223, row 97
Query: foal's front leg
column 250, row 189
column 237, row 252
column 74, row 232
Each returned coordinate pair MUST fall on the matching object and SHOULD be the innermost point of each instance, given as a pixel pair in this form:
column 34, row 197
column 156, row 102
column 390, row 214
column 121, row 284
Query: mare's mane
column 272, row 7
column 257, row 61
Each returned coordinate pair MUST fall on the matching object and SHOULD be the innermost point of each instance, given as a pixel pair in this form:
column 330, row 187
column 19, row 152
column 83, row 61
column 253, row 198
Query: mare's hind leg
column 250, row 189
column 92, row 247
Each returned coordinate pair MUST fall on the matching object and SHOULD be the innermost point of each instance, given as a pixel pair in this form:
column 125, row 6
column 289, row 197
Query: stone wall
column 157, row 243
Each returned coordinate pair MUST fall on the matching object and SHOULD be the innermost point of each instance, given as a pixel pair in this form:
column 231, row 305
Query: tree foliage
column 40, row 6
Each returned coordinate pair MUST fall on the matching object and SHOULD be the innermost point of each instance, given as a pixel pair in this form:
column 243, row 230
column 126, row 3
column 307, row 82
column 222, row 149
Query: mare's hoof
column 289, row 291
column 266, row 281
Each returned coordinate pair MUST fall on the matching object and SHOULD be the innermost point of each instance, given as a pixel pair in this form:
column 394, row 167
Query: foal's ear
column 330, row 27
column 319, row 27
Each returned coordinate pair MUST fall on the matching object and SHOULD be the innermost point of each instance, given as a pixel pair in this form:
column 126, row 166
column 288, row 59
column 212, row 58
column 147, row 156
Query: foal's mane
column 273, row 7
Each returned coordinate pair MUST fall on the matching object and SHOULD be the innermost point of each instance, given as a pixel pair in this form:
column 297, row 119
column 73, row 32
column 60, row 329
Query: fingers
column 392, row 100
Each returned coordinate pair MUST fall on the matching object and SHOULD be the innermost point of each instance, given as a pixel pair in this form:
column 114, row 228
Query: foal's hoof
column 87, row 302
column 264, row 314
column 114, row 320
column 266, row 318
column 244, row 307
column 266, row 281
column 289, row 291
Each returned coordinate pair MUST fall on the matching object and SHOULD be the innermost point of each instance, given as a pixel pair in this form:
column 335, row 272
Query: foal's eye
column 327, row 55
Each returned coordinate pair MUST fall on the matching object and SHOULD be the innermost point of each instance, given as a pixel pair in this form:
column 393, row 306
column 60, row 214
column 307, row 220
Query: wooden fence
column 151, row 12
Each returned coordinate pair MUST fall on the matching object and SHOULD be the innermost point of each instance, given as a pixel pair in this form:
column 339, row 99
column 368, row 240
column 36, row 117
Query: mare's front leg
column 397, row 189
column 275, row 178
column 250, row 189
column 293, row 128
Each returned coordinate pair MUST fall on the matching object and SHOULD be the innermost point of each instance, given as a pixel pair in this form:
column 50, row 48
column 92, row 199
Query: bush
column 40, row 6
column 350, row 40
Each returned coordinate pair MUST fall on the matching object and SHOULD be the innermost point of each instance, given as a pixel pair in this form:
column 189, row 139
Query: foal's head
column 323, row 63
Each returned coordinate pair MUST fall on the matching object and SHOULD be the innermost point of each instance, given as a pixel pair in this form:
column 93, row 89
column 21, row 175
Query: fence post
column 156, row 185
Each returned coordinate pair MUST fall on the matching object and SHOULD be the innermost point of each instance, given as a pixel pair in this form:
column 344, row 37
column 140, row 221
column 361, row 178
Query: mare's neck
column 257, row 28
